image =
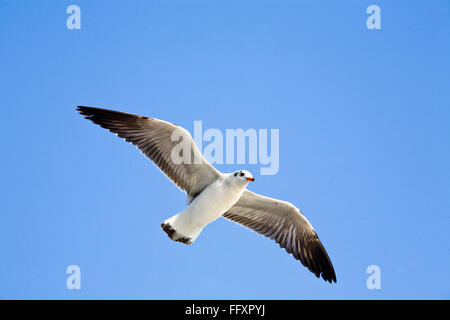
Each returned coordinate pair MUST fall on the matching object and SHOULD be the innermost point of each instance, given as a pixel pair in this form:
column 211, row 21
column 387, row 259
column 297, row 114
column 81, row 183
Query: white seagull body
column 212, row 194
column 209, row 205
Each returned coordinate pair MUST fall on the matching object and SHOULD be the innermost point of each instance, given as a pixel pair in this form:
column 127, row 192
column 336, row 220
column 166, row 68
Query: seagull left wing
column 284, row 223
column 153, row 138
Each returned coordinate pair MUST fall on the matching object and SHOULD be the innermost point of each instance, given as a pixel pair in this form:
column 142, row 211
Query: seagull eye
column 242, row 174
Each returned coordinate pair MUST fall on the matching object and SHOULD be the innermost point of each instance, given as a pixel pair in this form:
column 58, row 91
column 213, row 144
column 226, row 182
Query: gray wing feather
column 284, row 223
column 153, row 138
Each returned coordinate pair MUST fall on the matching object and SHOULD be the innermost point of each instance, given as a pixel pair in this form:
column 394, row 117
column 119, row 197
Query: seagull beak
column 250, row 179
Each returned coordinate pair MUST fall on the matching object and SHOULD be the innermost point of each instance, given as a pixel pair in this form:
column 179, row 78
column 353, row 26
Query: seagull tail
column 180, row 230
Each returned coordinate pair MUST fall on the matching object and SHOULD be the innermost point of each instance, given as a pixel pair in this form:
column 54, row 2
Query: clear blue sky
column 364, row 120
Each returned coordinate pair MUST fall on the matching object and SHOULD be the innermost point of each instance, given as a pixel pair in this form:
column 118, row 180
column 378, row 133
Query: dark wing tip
column 93, row 112
column 319, row 263
column 112, row 120
column 83, row 109
column 312, row 254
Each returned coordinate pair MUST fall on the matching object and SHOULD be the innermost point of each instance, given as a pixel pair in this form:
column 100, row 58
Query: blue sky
column 364, row 145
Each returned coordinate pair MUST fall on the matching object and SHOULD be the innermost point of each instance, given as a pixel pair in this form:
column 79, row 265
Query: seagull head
column 243, row 175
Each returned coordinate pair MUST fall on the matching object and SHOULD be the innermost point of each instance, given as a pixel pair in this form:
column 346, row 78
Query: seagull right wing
column 284, row 223
column 153, row 138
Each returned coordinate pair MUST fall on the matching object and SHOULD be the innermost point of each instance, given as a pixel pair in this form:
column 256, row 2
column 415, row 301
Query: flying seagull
column 212, row 194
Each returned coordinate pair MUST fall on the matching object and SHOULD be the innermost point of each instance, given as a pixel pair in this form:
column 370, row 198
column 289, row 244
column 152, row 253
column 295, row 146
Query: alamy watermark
column 73, row 281
column 374, row 20
column 220, row 150
column 74, row 20
column 374, row 280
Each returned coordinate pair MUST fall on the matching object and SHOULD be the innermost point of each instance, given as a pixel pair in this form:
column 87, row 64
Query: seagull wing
column 153, row 138
column 284, row 223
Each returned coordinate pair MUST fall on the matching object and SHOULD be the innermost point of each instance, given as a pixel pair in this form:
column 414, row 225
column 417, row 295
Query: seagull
column 212, row 194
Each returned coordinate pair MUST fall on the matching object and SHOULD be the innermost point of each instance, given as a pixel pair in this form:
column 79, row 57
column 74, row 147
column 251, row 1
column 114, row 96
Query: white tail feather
column 180, row 228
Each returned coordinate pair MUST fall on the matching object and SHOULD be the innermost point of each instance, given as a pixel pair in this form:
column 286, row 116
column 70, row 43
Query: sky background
column 364, row 145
